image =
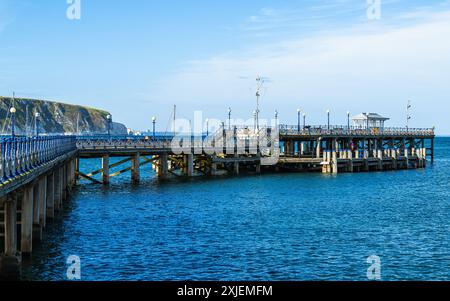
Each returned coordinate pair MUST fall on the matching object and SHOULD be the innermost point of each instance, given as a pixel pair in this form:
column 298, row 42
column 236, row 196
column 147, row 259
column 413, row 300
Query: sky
column 137, row 58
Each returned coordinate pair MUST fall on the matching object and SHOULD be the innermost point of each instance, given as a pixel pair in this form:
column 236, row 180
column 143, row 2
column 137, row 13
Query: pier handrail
column 122, row 141
column 353, row 131
column 23, row 154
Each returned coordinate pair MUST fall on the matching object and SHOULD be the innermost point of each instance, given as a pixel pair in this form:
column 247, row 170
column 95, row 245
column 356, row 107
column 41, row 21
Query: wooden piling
column 57, row 189
column 37, row 229
column 189, row 165
column 163, row 167
column 10, row 217
column 236, row 168
column 43, row 201
column 26, row 243
column 105, row 169
column 50, row 196
column 135, row 168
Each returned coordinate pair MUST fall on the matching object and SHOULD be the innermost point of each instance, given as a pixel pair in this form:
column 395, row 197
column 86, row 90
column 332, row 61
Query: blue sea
column 292, row 226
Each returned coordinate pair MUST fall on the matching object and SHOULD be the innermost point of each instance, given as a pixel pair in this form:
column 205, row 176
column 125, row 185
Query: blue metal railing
column 353, row 131
column 23, row 154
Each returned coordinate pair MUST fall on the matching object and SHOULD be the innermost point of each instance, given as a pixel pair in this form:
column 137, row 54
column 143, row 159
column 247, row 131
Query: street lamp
column 367, row 122
column 255, row 116
column 229, row 118
column 13, row 121
column 299, row 111
column 154, row 126
column 276, row 117
column 109, row 119
column 304, row 120
column 348, row 120
column 328, row 115
column 37, row 116
column 207, row 127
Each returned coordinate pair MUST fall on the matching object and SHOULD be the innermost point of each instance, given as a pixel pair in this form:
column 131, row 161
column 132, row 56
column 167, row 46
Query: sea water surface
column 297, row 226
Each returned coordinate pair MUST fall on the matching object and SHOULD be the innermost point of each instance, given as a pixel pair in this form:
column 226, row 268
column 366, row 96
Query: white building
column 371, row 120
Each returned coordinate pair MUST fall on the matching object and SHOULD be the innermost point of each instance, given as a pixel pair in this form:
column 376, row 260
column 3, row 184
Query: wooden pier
column 37, row 174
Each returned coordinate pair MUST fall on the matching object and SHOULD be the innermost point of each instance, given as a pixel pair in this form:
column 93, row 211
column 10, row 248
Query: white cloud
column 358, row 70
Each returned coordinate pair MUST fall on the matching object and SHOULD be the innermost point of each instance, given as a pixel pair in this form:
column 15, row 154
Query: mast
column 259, row 83
column 174, row 119
column 408, row 113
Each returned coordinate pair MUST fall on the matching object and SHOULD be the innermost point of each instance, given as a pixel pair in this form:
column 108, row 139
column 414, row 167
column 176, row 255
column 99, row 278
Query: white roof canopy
column 370, row 116
column 369, row 120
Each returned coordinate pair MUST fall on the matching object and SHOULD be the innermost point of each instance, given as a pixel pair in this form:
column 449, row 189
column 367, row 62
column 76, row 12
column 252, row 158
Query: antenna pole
column 174, row 119
column 408, row 114
column 258, row 95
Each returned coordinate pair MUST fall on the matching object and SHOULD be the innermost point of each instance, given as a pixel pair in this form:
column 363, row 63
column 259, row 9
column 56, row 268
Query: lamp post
column 37, row 116
column 207, row 127
column 348, row 120
column 109, row 120
column 255, row 116
column 276, row 117
column 13, row 121
column 328, row 116
column 367, row 121
column 304, row 120
column 154, row 126
column 259, row 83
column 229, row 118
column 299, row 111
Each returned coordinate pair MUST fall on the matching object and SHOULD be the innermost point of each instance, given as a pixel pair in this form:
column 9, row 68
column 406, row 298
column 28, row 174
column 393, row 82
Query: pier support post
column 163, row 167
column 77, row 170
column 43, row 201
column 334, row 159
column 50, row 196
column 213, row 169
column 350, row 156
column 105, row 169
column 258, row 167
column 366, row 154
column 10, row 217
column 432, row 150
column 423, row 153
column 37, row 229
column 10, row 260
column 380, row 154
column 189, row 165
column 236, row 168
column 318, row 147
column 302, row 149
column 286, row 148
column 63, row 183
column 26, row 242
column 57, row 189
column 406, row 153
column 135, row 164
column 61, row 186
